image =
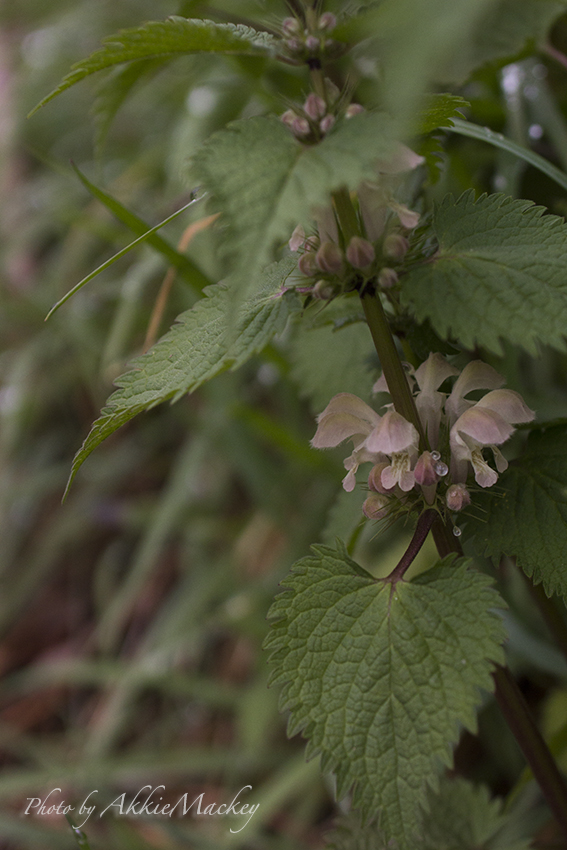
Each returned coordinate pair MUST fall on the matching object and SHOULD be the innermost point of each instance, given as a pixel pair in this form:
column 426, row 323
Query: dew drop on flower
column 457, row 531
column 435, row 456
column 441, row 468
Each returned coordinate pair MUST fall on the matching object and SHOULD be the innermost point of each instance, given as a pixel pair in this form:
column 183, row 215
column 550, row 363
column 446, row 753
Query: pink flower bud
column 376, row 506
column 323, row 290
column 300, row 127
column 314, row 107
column 329, row 258
column 297, row 239
column 294, row 45
column 312, row 43
column 425, row 473
column 354, row 109
column 360, row 253
column 458, row 497
column 327, row 22
column 291, row 26
column 288, row 117
column 375, row 478
column 307, row 265
column 395, row 246
column 387, row 278
column 326, row 123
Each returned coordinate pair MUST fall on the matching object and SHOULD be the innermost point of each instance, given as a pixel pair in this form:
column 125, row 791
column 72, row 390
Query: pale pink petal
column 381, row 385
column 433, row 371
column 297, row 239
column 484, row 426
column 349, row 481
column 349, row 403
column 409, row 218
column 475, row 376
column 499, row 459
column 373, row 209
column 508, row 404
column 424, row 471
column 392, row 434
column 483, row 474
column 389, row 478
column 333, row 429
column 407, row 481
column 404, row 159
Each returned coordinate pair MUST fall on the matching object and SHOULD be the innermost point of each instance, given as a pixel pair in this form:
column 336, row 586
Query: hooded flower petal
column 475, row 376
column 404, row 159
column 345, row 416
column 429, row 376
column 485, row 427
column 393, row 434
column 507, row 404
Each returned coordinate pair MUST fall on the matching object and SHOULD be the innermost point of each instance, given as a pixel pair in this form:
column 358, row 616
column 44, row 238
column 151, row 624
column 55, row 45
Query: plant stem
column 508, row 695
column 520, row 720
column 422, row 529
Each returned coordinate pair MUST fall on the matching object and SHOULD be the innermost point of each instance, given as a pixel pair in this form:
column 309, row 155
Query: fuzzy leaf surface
column 527, row 517
column 461, row 816
column 203, row 342
column 175, row 36
column 498, row 273
column 379, row 680
column 264, row 182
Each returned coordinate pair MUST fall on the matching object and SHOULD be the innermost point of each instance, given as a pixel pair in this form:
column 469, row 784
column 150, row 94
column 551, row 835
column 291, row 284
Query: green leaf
column 461, row 816
column 527, row 515
column 265, row 182
column 204, row 342
column 378, row 678
column 175, row 36
column 326, row 362
column 498, row 273
column 440, row 110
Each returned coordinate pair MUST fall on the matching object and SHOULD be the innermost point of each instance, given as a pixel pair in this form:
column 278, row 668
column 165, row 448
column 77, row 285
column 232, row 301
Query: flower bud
column 354, row 109
column 329, row 258
column 307, row 265
column 327, row 22
column 387, row 278
column 300, row 127
column 294, row 45
column 326, row 123
column 375, row 478
column 288, row 117
column 395, row 246
column 312, row 43
column 297, row 239
column 360, row 253
column 291, row 26
column 323, row 290
column 458, row 497
column 424, row 471
column 314, row 107
column 376, row 506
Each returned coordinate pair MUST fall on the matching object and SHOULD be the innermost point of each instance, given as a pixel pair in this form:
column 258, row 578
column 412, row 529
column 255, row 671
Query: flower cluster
column 457, row 430
column 303, row 43
column 327, row 264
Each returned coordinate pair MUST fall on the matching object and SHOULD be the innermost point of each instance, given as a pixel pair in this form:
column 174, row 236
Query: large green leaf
column 175, row 36
column 498, row 273
column 204, row 342
column 461, row 816
column 378, row 678
column 264, row 182
column 327, row 361
column 527, row 515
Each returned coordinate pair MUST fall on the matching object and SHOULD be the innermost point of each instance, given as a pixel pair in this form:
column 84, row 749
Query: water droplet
column 457, row 531
column 441, row 468
column 435, row 456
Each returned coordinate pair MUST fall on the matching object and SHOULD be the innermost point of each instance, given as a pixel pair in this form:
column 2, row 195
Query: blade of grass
column 188, row 269
column 116, row 257
column 484, row 134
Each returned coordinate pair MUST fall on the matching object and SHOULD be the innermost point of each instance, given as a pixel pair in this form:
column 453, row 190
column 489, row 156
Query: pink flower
column 429, row 402
column 489, row 423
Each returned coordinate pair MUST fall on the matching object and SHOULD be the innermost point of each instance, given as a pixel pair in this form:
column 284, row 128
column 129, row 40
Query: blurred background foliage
column 132, row 615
